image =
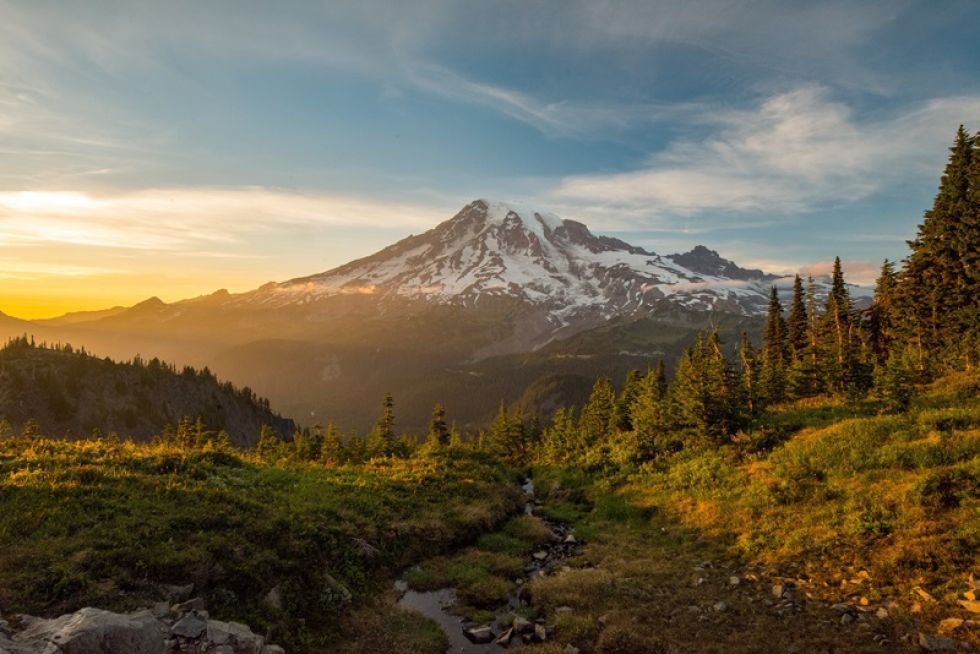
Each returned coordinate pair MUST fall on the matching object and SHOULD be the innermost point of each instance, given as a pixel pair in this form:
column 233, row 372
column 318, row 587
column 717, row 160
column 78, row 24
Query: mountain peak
column 706, row 261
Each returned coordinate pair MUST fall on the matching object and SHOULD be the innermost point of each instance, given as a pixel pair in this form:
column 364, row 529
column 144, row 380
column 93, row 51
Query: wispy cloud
column 795, row 152
column 188, row 220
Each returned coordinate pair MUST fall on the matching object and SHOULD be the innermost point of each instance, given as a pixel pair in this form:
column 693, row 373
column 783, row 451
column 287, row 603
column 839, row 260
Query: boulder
column 933, row 644
column 94, row 630
column 522, row 625
column 189, row 626
column 337, row 591
column 237, row 636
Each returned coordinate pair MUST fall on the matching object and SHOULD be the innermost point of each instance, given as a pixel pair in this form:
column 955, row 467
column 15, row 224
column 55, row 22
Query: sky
column 174, row 148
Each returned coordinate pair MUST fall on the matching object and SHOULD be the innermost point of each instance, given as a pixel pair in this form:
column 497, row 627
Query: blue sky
column 172, row 148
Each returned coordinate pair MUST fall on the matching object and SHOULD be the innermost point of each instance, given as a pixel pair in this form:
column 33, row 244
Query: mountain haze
column 489, row 302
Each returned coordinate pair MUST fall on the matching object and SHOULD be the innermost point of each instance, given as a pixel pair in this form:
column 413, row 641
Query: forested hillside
column 63, row 392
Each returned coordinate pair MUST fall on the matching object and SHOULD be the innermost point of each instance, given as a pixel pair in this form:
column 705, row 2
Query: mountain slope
column 71, row 393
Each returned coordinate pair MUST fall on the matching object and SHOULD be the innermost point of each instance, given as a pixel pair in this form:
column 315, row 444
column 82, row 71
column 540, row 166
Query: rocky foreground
column 163, row 629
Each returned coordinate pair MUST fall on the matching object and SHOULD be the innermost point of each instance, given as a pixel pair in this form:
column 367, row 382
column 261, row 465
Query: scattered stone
column 720, row 607
column 734, row 581
column 273, row 649
column 237, row 636
column 196, row 604
column 950, row 624
column 933, row 644
column 479, row 635
column 541, row 556
column 882, row 613
column 540, row 633
column 972, row 606
column 368, row 550
column 160, row 610
column 571, row 649
column 522, row 625
column 337, row 590
column 847, row 618
column 189, row 626
column 402, row 586
column 273, row 599
column 570, row 539
column 563, row 610
column 505, row 638
column 778, row 590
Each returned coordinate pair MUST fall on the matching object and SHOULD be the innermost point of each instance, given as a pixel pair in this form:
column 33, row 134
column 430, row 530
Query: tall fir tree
column 774, row 354
column 937, row 297
column 796, row 322
column 748, row 374
column 623, row 419
column 438, row 429
column 381, row 440
column 881, row 314
column 596, row 420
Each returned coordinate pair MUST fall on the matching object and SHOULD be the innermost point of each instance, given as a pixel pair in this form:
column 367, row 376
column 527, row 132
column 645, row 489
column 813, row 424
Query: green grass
column 105, row 524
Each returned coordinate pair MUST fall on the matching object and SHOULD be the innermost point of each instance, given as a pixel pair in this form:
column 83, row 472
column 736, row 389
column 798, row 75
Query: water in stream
column 438, row 605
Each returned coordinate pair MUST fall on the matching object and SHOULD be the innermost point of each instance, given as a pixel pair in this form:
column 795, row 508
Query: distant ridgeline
column 60, row 391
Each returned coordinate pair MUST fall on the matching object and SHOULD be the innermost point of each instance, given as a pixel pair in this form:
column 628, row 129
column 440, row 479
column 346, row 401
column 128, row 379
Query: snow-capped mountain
column 494, row 249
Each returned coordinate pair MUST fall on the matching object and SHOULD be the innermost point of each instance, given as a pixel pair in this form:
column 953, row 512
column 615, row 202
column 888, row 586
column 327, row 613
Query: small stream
column 438, row 605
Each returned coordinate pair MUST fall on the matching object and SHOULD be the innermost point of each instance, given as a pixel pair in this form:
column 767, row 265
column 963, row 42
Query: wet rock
column 479, row 635
column 934, row 644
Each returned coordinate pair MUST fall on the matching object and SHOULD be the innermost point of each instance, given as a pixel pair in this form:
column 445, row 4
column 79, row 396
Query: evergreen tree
column 381, row 440
column 597, row 416
column 895, row 380
column 881, row 315
column 506, row 437
column 797, row 323
column 355, row 450
column 559, row 441
column 332, row 450
column 438, row 430
column 31, row 428
column 774, row 355
column 623, row 419
column 270, row 445
column 704, row 390
column 937, row 297
column 748, row 374
column 455, row 437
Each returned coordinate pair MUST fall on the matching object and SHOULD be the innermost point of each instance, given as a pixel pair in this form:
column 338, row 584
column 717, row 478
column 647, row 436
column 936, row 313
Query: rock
column 847, row 618
column 950, row 624
column 522, row 625
column 4, row 627
column 367, row 550
column 273, row 649
column 564, row 610
column 778, row 590
column 237, row 636
column 720, row 607
column 540, row 556
column 479, row 635
column 401, row 586
column 842, row 608
column 504, row 639
column 540, row 633
column 160, row 610
column 273, row 599
column 337, row 590
column 570, row 539
column 933, row 644
column 189, row 626
column 882, row 613
column 972, row 606
column 196, row 604
column 734, row 581
column 94, row 630
column 571, row 649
